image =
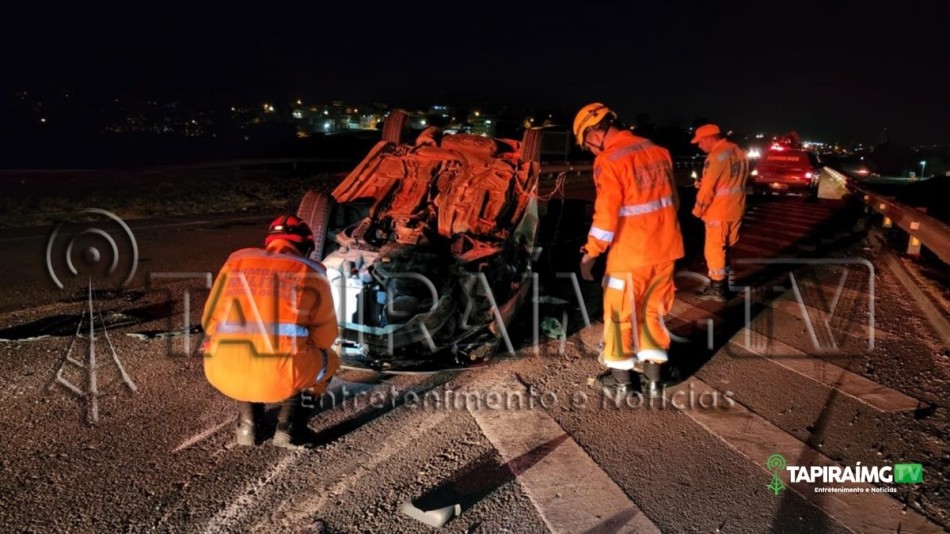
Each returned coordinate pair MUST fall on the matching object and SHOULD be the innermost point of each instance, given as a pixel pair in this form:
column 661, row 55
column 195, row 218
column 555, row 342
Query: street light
column 923, row 165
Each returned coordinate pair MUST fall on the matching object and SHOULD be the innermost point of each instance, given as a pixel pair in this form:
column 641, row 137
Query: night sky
column 832, row 70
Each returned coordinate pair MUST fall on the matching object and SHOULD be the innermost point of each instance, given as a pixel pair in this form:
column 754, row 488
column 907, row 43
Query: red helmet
column 290, row 228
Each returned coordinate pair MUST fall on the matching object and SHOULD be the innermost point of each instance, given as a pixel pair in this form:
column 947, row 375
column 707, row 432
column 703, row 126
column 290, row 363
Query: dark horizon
column 833, row 72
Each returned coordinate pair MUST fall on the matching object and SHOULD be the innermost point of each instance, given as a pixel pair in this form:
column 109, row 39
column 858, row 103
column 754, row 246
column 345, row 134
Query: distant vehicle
column 785, row 169
column 428, row 246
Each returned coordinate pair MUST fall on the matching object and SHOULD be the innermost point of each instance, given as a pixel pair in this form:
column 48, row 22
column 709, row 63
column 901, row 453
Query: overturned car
column 428, row 247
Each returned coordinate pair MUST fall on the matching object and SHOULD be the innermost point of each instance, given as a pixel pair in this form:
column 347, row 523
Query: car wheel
column 315, row 210
column 531, row 145
column 393, row 128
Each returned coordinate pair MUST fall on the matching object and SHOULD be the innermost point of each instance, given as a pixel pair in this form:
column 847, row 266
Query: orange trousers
column 634, row 303
column 720, row 235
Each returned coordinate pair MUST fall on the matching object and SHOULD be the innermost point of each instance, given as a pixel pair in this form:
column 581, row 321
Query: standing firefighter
column 720, row 203
column 270, row 324
column 635, row 218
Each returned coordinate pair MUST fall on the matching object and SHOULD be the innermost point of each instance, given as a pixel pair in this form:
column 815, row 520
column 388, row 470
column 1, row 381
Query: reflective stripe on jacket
column 270, row 322
column 635, row 209
column 721, row 195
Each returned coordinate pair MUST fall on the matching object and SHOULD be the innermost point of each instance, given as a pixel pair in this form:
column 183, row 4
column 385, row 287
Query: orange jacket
column 721, row 195
column 635, row 209
column 270, row 323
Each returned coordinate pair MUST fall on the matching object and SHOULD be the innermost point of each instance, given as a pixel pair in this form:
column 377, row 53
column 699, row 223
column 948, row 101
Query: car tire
column 531, row 145
column 393, row 128
column 315, row 210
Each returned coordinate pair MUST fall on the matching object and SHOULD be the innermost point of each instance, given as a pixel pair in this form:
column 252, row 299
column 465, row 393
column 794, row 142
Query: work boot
column 638, row 366
column 716, row 290
column 246, row 432
column 616, row 384
column 651, row 375
column 284, row 434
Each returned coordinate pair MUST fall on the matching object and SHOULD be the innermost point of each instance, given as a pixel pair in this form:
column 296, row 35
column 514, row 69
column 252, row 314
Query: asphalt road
column 163, row 458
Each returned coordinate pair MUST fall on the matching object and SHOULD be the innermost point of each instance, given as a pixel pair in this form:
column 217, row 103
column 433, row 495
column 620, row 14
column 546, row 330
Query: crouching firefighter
column 270, row 324
column 635, row 220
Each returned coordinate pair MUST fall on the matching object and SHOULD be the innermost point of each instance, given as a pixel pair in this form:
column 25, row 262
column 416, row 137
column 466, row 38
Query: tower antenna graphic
column 91, row 311
column 775, row 464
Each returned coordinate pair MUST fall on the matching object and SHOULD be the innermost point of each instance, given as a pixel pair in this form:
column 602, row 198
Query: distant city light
column 299, row 102
column 326, row 125
column 477, row 114
column 43, row 120
column 422, row 122
column 488, row 122
column 759, row 136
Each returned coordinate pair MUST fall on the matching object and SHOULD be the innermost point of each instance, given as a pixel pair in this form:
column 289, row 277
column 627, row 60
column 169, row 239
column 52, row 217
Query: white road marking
column 222, row 521
column 204, row 434
column 877, row 396
column 756, row 438
column 567, row 487
column 304, row 512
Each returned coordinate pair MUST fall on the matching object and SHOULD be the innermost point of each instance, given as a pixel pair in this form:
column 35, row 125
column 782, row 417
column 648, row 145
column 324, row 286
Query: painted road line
column 866, row 391
column 249, row 498
column 306, row 509
column 776, row 241
column 224, row 520
column 785, row 227
column 877, row 396
column 793, row 212
column 203, row 435
column 567, row 487
column 757, row 439
column 819, row 317
column 752, row 251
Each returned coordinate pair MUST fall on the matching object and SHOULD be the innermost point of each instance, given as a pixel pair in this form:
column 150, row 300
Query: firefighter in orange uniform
column 720, row 203
column 270, row 323
column 635, row 219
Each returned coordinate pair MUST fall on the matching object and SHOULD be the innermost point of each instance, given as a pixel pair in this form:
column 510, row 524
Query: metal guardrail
column 922, row 228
